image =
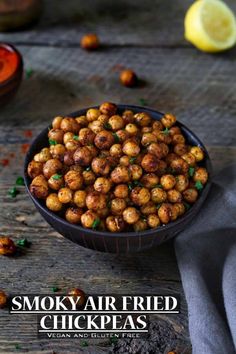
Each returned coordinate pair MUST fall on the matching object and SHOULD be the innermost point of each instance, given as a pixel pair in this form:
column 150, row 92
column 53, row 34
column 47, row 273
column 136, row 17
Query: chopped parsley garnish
column 76, row 137
column 191, row 171
column 132, row 160
column 28, row 73
column 158, row 206
column 199, row 185
column 88, row 169
column 117, row 139
column 55, row 289
column 20, row 181
column 107, row 125
column 57, row 177
column 23, row 242
column 158, row 186
column 84, row 343
column 143, row 217
column 187, row 206
column 130, row 186
column 143, row 102
column 96, row 223
column 166, row 131
column 13, row 192
column 52, row 142
column 137, row 183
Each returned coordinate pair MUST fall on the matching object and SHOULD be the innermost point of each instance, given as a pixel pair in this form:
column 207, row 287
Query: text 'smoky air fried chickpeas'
column 117, row 173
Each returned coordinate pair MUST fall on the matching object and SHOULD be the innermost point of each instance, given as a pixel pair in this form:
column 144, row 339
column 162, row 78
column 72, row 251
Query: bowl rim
column 157, row 230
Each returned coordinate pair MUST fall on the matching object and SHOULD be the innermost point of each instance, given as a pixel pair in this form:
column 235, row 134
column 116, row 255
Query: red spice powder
column 28, row 133
column 4, row 162
column 24, row 148
column 8, row 62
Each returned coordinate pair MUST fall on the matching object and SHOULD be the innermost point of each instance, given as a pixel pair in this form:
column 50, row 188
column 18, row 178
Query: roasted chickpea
column 52, row 167
column 58, row 151
column 82, row 121
column 146, row 130
column 69, row 158
column 88, row 219
column 92, row 114
column 7, row 247
column 157, row 125
column 68, row 137
column 73, row 180
column 201, row 175
column 158, row 195
column 39, row 187
column 56, row 135
column 135, row 172
column 128, row 78
column 120, row 174
column 96, row 126
column 168, row 120
column 53, row 203
column 190, row 195
column 162, row 168
column 116, row 150
column 86, row 136
column 125, row 160
column 131, row 148
column 115, row 223
column 100, row 166
column 140, row 196
column 69, row 124
column 140, row 225
column 153, row 221
column 180, row 208
column 88, row 177
column 103, row 213
column 150, row 180
column 103, row 118
column 72, row 145
column 148, row 138
column 197, row 152
column 189, row 158
column 180, row 149
column 174, row 130
column 178, row 139
column 34, row 169
column 182, row 183
column 79, row 198
column 131, row 215
column 170, row 157
column 73, row 215
column 162, row 136
column 116, row 122
column 108, row 108
column 128, row 116
column 150, row 163
column 160, row 150
column 149, row 208
column 56, row 123
column 55, row 182
column 131, row 129
column 178, row 165
column 165, row 213
column 96, row 201
column 122, row 135
column 102, row 185
column 3, row 299
column 90, row 41
column 121, row 191
column 43, row 156
column 118, row 205
column 142, row 119
column 104, row 140
column 65, row 195
column 168, row 181
column 83, row 156
column 174, row 196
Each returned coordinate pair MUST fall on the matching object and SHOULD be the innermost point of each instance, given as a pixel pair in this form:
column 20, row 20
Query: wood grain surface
column 199, row 88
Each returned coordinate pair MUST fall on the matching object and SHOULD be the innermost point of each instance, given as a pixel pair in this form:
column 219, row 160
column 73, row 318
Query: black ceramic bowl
column 118, row 242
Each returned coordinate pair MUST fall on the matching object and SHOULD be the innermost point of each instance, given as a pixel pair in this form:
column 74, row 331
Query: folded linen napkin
column 206, row 255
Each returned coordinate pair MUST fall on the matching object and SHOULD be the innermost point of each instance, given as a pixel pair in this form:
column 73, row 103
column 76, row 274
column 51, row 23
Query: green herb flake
column 57, row 177
column 55, row 289
column 28, row 73
column 158, row 206
column 96, row 223
column 107, row 125
column 109, row 204
column 130, row 186
column 17, row 346
column 88, row 169
column 143, row 217
column 52, row 142
column 117, row 139
column 166, row 131
column 132, row 160
column 23, row 242
column 158, row 186
column 13, row 192
column 138, row 183
column 187, row 206
column 20, row 181
column 191, row 171
column 143, row 102
column 84, row 343
column 76, row 137
column 199, row 185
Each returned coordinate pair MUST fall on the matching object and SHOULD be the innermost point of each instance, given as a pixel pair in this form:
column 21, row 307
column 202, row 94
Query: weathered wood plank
column 199, row 89
column 149, row 23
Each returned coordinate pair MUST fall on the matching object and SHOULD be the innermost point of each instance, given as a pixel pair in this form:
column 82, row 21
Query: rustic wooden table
column 199, row 88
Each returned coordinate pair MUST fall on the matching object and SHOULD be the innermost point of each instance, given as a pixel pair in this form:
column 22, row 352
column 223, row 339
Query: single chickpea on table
column 117, row 171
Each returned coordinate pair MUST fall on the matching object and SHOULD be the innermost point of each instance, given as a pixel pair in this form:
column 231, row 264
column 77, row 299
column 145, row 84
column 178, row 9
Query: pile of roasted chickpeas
column 117, row 172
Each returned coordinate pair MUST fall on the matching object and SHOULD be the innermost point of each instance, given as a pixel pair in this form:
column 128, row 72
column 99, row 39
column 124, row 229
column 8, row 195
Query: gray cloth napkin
column 206, row 255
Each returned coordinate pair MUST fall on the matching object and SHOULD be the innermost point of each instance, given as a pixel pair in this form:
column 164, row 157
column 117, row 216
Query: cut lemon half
column 210, row 25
